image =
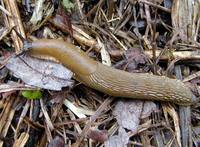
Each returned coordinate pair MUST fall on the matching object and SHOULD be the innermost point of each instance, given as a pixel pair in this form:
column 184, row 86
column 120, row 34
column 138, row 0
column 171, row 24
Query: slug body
column 112, row 81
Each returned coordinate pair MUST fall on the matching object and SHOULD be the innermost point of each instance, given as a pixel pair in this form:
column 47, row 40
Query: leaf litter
column 43, row 74
column 137, row 36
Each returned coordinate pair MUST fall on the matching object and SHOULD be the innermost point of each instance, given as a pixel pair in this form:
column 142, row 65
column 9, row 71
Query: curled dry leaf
column 40, row 73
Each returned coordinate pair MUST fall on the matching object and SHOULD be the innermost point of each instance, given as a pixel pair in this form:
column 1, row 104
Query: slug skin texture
column 112, row 81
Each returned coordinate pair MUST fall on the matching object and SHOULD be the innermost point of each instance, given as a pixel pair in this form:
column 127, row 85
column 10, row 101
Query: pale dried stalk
column 14, row 21
column 22, row 140
column 185, row 17
column 6, row 117
column 176, row 54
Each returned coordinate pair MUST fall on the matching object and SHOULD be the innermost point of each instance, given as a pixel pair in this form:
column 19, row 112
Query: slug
column 112, row 81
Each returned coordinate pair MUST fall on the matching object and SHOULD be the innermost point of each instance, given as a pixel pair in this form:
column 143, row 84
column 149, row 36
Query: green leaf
column 32, row 95
column 67, row 4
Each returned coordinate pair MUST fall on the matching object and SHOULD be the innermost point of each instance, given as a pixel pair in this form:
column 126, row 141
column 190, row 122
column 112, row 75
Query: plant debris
column 160, row 37
column 43, row 74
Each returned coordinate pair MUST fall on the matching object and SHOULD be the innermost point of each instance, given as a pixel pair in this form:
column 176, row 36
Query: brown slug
column 112, row 81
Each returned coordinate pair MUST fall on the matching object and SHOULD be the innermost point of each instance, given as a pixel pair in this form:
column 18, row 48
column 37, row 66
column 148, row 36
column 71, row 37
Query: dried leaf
column 134, row 57
column 127, row 113
column 137, row 55
column 120, row 140
column 98, row 135
column 40, row 73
